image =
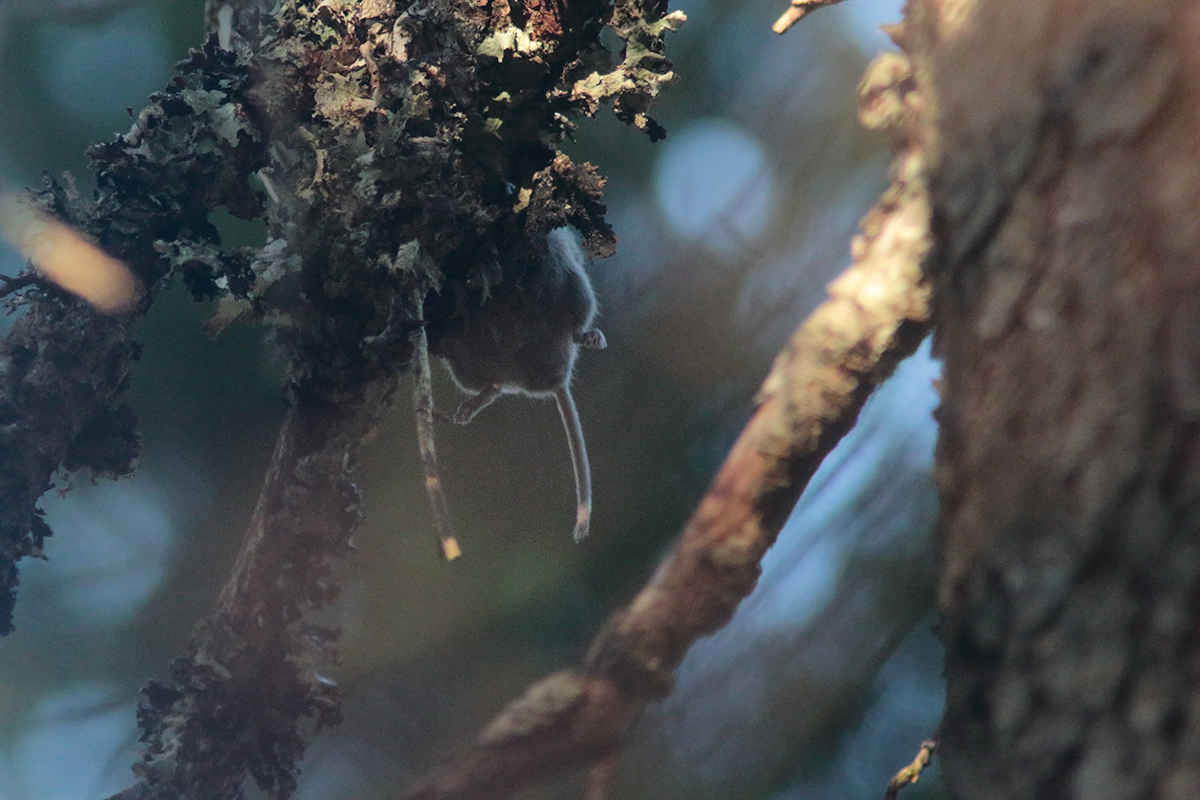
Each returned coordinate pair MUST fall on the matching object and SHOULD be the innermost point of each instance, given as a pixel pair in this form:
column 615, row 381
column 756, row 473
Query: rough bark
column 1066, row 212
column 245, row 697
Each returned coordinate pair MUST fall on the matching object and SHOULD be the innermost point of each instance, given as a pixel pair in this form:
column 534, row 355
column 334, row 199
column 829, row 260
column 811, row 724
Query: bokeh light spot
column 93, row 73
column 713, row 185
column 109, row 551
column 76, row 746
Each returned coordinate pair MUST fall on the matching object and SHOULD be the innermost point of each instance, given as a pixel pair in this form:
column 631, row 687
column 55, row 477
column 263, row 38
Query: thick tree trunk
column 1066, row 213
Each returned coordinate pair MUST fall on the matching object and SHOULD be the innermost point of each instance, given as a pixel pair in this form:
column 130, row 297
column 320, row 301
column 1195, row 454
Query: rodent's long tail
column 423, row 402
column 579, row 459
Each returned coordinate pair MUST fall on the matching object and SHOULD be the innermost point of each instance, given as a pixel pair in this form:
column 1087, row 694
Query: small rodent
column 523, row 338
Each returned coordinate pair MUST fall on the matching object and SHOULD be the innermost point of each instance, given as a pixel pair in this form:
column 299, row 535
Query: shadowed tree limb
column 247, row 694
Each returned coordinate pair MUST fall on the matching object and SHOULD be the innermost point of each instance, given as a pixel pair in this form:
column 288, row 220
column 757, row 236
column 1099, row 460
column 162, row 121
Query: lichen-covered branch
column 247, row 696
column 63, row 365
column 421, row 117
column 405, row 147
column 875, row 315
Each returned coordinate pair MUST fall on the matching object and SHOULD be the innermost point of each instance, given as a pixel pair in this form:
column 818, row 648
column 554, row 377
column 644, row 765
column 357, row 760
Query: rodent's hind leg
column 592, row 340
column 473, row 405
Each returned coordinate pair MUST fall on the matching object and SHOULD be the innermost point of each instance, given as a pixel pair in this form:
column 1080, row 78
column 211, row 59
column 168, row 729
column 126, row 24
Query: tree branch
column 798, row 10
column 397, row 137
column 244, row 699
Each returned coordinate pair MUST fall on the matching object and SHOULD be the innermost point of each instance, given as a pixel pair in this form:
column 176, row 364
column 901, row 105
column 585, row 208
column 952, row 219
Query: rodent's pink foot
column 593, row 340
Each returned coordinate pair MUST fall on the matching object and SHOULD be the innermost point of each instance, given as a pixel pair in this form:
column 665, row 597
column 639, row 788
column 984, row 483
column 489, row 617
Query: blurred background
column 827, row 680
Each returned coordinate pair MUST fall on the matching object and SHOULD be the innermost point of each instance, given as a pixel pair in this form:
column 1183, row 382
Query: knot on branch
column 541, row 709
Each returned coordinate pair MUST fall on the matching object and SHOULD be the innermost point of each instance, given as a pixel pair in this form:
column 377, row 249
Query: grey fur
column 523, row 338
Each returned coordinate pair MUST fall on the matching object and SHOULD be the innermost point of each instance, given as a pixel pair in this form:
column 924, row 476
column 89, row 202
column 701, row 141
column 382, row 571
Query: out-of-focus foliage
column 825, row 682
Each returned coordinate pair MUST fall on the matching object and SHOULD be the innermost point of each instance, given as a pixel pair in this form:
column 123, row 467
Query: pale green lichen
column 640, row 76
column 510, row 40
column 339, row 99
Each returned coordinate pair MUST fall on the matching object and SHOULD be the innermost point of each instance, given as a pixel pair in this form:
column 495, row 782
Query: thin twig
column 798, row 11
column 912, row 772
column 16, row 283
